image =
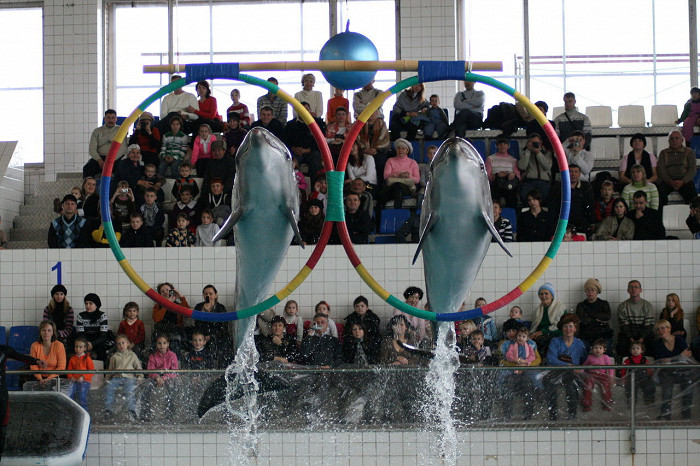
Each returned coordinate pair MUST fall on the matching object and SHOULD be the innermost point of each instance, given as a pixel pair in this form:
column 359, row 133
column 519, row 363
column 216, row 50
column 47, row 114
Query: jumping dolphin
column 264, row 205
column 456, row 224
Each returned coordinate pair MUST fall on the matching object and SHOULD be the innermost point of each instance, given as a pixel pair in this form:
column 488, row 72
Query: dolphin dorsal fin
column 494, row 233
column 228, row 224
column 432, row 220
column 293, row 222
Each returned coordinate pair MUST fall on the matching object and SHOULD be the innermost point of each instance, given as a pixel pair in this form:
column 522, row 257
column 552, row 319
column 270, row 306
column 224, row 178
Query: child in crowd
column 324, row 308
column 503, row 173
column 78, row 193
column 122, row 359
column 335, row 102
column 235, row 134
column 424, row 168
column 174, row 148
column 320, row 191
column 201, row 150
column 207, row 230
column 123, row 203
column 152, row 180
column 218, row 201
column 238, row 108
column 311, row 222
column 466, row 327
column 181, row 236
column 516, row 313
column 643, row 377
column 362, row 314
column 301, row 180
column 92, row 325
column 133, row 327
column 336, row 132
column 81, row 361
column 437, row 123
column 480, row 353
column 188, row 206
column 185, row 179
column 138, row 235
column 520, row 351
column 604, row 204
column 602, row 377
column 153, row 215
column 201, row 356
column 294, row 323
column 160, row 360
column 486, row 324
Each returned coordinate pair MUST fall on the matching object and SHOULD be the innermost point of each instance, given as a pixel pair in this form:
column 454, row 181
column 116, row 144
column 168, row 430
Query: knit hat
column 405, row 143
column 93, row 298
column 133, row 147
column 68, row 197
column 146, row 116
column 316, row 202
column 511, row 324
column 59, row 288
column 548, row 287
column 593, row 283
column 639, row 136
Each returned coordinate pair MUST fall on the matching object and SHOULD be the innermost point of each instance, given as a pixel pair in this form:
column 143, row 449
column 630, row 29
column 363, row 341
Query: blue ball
column 349, row 46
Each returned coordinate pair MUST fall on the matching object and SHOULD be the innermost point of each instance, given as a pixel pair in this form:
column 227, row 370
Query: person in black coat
column 647, row 221
column 318, row 349
column 535, row 224
column 278, row 346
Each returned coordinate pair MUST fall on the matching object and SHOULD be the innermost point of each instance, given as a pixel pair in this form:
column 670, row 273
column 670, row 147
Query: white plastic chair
column 664, row 115
column 600, row 116
column 661, row 144
column 605, row 148
column 674, row 216
column 557, row 111
column 629, row 116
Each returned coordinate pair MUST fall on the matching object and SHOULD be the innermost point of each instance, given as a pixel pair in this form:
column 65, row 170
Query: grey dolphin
column 264, row 217
column 456, row 224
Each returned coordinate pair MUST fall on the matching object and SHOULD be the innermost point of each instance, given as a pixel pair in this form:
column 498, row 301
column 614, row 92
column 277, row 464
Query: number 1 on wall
column 57, row 268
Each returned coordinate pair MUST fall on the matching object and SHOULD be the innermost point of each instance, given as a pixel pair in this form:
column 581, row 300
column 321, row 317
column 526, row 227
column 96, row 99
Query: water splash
column 243, row 412
column 440, row 382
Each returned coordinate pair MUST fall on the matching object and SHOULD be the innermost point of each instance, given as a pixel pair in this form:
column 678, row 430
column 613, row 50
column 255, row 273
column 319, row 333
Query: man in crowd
column 100, row 142
column 647, row 221
column 581, row 214
column 222, row 166
column 269, row 122
column 676, row 168
column 358, row 222
column 572, row 120
column 298, row 137
column 535, row 165
column 636, row 318
column 69, row 230
column 277, row 105
column 319, row 349
column 176, row 103
column 363, row 97
column 469, row 105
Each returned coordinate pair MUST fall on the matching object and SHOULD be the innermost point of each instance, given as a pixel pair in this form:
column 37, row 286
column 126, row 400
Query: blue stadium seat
column 513, row 150
column 384, row 239
column 695, row 145
column 510, row 214
column 480, row 146
column 22, row 337
column 13, row 379
column 392, row 219
column 697, row 181
column 3, row 335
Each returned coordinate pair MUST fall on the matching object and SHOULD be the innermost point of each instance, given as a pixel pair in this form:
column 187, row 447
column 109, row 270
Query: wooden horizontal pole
column 332, row 65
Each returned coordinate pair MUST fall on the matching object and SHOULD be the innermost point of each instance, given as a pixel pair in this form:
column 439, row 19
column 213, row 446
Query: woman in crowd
column 406, row 118
column 168, row 322
column 416, row 326
column 565, row 350
column 545, row 325
column 640, row 183
column 52, row 351
column 535, row 224
column 669, row 349
column 359, row 348
column 361, row 165
column 392, row 351
column 91, row 199
column 60, row 313
column 673, row 313
column 215, row 333
column 594, row 314
column 311, row 222
column 401, row 175
column 278, row 346
column 638, row 156
column 207, row 111
column 374, row 140
column 617, row 226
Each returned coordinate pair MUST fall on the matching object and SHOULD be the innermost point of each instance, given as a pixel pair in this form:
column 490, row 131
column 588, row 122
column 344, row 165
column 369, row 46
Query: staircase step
column 27, row 245
column 35, row 220
column 30, row 234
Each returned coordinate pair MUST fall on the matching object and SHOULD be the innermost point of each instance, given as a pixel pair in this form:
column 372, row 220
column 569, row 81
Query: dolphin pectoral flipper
column 228, row 224
column 432, row 220
column 295, row 226
column 494, row 233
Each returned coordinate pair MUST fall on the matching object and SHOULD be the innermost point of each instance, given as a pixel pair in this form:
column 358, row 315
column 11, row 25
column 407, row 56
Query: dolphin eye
column 482, row 166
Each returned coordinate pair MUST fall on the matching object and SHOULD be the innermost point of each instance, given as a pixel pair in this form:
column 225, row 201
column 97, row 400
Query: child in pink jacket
column 602, row 377
column 161, row 359
column 520, row 351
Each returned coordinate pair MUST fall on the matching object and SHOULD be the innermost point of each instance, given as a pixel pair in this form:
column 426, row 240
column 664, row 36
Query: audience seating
column 388, row 239
column 674, row 216
column 392, row 219
column 13, row 379
column 661, row 144
column 695, row 145
column 3, row 335
column 510, row 214
column 22, row 337
column 664, row 115
column 600, row 116
column 605, row 148
column 480, row 146
column 629, row 116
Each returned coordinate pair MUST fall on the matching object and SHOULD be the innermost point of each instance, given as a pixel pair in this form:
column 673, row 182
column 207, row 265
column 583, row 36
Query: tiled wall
column 11, row 183
column 662, row 267
column 543, row 448
column 72, row 82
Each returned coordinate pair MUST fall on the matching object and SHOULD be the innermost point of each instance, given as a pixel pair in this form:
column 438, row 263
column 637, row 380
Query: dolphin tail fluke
column 432, row 220
column 228, row 224
column 295, row 226
column 494, row 233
